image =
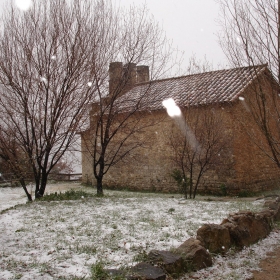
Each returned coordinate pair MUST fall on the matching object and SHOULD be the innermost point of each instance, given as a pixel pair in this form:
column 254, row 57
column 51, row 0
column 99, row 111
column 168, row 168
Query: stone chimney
column 129, row 76
column 142, row 74
column 124, row 77
column 115, row 76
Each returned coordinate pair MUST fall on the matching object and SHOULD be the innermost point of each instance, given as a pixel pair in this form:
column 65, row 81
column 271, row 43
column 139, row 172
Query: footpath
column 270, row 267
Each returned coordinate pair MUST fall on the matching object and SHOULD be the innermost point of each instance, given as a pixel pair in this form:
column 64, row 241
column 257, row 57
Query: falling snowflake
column 43, row 80
column 172, row 109
column 24, row 5
column 238, row 39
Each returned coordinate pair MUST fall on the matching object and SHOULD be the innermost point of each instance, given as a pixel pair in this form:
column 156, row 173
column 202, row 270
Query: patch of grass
column 98, row 272
column 87, row 249
column 7, row 210
column 171, row 210
column 68, row 195
column 20, row 230
column 141, row 256
column 246, row 193
column 113, row 229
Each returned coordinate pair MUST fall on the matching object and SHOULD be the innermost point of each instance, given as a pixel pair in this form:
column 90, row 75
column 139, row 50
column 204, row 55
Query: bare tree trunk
column 22, row 182
column 43, row 184
column 99, row 186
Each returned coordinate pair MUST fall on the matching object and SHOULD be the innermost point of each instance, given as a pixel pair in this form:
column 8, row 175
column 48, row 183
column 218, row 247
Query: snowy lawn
column 62, row 240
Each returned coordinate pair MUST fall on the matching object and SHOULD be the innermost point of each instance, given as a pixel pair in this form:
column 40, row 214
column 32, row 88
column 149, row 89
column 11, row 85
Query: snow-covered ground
column 11, row 196
column 62, row 240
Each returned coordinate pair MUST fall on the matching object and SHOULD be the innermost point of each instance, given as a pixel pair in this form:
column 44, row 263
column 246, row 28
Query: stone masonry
column 149, row 167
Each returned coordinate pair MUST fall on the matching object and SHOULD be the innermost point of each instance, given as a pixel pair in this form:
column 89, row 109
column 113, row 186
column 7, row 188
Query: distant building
column 226, row 92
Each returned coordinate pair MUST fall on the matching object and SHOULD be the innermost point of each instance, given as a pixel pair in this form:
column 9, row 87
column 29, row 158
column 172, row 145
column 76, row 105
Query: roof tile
column 192, row 90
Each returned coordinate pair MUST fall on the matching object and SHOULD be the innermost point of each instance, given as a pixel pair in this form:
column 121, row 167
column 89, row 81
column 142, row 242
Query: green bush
column 223, row 190
column 182, row 181
column 171, row 210
column 246, row 193
column 68, row 195
column 98, row 272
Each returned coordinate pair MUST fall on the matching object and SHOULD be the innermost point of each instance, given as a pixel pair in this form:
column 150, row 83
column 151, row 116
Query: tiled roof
column 192, row 90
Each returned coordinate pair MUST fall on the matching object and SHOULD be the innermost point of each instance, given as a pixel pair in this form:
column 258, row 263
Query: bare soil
column 270, row 267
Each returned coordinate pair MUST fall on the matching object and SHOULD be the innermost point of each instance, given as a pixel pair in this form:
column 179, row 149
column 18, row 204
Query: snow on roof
column 192, row 90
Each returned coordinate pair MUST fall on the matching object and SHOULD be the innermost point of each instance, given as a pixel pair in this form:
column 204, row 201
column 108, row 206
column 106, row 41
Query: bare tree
column 14, row 160
column 116, row 122
column 251, row 36
column 196, row 66
column 198, row 146
column 53, row 62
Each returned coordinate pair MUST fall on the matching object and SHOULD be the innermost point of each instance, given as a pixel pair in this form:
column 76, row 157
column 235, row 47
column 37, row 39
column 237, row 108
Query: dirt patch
column 270, row 267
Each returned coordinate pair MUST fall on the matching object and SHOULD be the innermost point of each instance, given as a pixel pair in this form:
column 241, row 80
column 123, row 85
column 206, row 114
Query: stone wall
column 245, row 167
column 239, row 230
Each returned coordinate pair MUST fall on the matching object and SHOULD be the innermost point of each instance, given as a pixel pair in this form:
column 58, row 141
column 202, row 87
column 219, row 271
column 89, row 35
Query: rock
column 195, row 256
column 271, row 204
column 274, row 206
column 277, row 214
column 266, row 214
column 247, row 228
column 171, row 263
column 145, row 271
column 215, row 238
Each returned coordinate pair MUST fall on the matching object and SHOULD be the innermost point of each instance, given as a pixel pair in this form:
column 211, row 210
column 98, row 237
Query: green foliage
column 98, row 272
column 20, row 230
column 87, row 249
column 99, row 195
column 68, row 195
column 223, row 190
column 171, row 210
column 182, row 182
column 246, row 193
column 141, row 257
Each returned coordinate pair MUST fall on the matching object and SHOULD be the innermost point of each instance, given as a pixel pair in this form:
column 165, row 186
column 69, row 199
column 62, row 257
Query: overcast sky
column 190, row 24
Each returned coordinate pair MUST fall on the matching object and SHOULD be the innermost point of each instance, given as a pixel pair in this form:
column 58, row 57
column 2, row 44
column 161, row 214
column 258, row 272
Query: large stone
column 146, row 271
column 246, row 228
column 275, row 206
column 215, row 238
column 171, row 263
column 271, row 204
column 277, row 214
column 194, row 254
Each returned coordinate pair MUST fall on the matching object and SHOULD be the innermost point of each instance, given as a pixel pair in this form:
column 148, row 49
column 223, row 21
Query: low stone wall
column 237, row 230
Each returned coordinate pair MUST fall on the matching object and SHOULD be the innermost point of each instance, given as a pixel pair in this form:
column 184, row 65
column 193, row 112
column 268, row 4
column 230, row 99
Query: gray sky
column 190, row 24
